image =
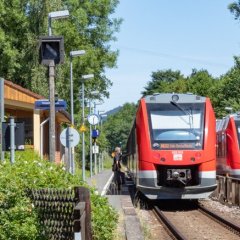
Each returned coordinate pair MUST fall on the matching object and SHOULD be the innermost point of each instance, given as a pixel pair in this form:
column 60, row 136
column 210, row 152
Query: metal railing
column 228, row 190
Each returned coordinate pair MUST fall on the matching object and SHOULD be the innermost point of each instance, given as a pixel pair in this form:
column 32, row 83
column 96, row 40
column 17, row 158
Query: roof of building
column 15, row 94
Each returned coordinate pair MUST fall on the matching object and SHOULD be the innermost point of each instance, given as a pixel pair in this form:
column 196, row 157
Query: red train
column 228, row 139
column 171, row 150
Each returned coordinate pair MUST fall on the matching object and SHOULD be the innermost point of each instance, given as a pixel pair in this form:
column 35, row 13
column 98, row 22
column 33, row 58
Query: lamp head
column 58, row 14
column 87, row 76
column 77, row 53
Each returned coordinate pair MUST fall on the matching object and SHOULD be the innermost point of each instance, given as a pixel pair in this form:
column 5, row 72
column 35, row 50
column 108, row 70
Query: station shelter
column 19, row 103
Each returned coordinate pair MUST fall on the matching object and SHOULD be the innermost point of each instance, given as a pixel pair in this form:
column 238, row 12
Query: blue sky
column 163, row 34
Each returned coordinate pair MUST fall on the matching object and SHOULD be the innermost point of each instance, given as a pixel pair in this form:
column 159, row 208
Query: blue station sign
column 44, row 104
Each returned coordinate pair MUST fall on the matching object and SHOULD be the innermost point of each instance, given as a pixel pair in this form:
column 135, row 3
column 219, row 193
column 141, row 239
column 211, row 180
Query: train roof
column 176, row 97
column 221, row 124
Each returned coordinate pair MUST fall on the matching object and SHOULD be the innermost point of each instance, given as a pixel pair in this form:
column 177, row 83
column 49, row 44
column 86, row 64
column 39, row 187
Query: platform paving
column 120, row 200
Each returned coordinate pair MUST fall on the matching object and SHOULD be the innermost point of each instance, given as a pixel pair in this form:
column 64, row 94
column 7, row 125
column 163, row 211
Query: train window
column 225, row 123
column 176, row 126
column 237, row 123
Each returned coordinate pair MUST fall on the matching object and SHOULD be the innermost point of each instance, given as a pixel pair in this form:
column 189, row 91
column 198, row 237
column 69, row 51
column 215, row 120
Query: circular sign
column 93, row 119
column 69, row 137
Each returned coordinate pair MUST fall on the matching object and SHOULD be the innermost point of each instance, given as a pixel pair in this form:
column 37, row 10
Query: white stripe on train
column 153, row 174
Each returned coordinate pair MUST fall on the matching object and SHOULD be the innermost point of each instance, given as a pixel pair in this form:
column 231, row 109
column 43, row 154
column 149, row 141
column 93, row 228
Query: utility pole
column 12, row 140
column 83, row 135
column 90, row 139
column 53, row 57
column 52, row 144
column 84, row 78
column 71, row 149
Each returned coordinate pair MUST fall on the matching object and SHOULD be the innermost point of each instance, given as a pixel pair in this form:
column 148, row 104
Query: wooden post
column 83, row 195
column 52, row 140
column 79, row 221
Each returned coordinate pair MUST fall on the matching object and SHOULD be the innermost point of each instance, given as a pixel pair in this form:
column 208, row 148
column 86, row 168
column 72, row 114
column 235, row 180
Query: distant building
column 19, row 103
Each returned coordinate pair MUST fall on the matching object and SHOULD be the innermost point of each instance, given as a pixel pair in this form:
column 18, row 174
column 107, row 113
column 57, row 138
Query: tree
column 201, row 83
column 165, row 81
column 89, row 27
column 235, row 9
column 227, row 92
column 118, row 126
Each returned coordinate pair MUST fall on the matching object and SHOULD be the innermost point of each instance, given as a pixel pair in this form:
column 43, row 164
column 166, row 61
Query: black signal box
column 19, row 136
column 51, row 48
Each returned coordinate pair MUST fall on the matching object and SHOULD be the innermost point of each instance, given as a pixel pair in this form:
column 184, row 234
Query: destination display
column 177, row 145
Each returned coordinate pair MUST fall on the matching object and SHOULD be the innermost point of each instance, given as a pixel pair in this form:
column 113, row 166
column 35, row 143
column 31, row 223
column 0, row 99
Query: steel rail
column 173, row 230
column 228, row 223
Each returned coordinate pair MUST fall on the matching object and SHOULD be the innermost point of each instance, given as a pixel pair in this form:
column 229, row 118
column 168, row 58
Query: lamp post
column 84, row 78
column 71, row 150
column 52, row 145
column 90, row 137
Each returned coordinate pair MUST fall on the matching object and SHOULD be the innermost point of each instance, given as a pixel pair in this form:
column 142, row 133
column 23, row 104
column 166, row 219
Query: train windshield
column 237, row 123
column 176, row 125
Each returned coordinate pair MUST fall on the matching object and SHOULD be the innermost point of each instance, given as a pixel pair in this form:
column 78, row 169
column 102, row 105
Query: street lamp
column 55, row 15
column 230, row 109
column 52, row 145
column 84, row 78
column 93, row 93
column 71, row 150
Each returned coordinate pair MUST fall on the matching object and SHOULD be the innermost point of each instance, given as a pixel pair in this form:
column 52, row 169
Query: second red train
column 228, row 144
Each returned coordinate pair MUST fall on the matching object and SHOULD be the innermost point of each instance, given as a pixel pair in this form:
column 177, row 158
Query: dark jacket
column 117, row 162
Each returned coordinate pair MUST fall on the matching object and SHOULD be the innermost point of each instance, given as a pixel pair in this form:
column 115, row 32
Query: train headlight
column 175, row 98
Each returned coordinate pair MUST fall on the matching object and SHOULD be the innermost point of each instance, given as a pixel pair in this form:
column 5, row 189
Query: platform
column 120, row 200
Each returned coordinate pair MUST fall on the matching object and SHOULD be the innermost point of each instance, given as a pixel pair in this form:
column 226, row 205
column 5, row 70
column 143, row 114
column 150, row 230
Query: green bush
column 18, row 219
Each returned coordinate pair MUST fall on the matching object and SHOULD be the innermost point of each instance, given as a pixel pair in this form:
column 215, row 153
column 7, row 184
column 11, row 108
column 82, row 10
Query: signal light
column 51, row 48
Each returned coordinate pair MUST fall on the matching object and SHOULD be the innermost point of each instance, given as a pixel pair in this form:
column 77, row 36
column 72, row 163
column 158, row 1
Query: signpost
column 69, row 138
column 93, row 119
column 95, row 149
column 44, row 104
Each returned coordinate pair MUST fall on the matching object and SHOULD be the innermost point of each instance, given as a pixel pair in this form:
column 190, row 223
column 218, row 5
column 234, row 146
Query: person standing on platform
column 119, row 177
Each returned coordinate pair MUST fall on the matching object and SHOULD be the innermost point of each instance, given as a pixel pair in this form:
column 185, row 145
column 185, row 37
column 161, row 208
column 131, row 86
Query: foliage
column 105, row 218
column 201, row 83
column 118, row 126
column 108, row 161
column 18, row 219
column 163, row 81
column 90, row 26
column 227, row 91
column 235, row 9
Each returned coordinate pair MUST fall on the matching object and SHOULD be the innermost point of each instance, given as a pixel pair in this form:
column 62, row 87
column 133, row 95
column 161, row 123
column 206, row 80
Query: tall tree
column 90, row 27
column 201, row 82
column 118, row 126
column 227, row 92
column 162, row 81
column 235, row 9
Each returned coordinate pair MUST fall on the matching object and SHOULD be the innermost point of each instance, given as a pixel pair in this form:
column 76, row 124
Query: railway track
column 196, row 223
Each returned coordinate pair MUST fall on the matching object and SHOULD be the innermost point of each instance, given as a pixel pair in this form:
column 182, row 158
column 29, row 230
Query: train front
column 176, row 146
